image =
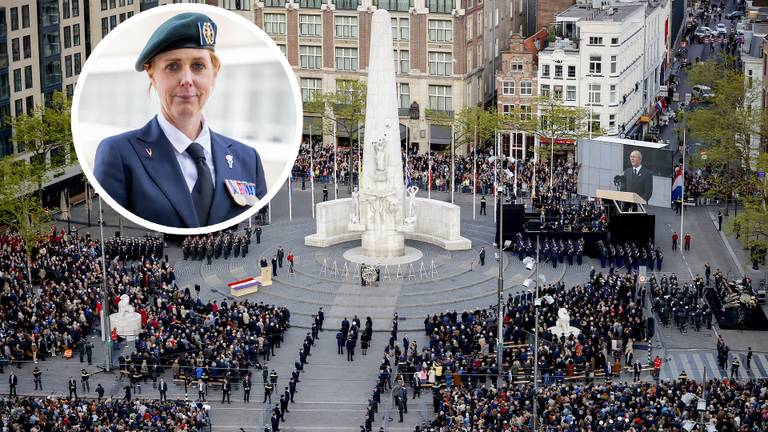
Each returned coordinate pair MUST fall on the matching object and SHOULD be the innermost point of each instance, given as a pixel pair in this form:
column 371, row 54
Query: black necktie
column 202, row 193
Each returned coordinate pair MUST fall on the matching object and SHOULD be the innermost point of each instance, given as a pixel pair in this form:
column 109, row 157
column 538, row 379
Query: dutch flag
column 243, row 284
column 677, row 184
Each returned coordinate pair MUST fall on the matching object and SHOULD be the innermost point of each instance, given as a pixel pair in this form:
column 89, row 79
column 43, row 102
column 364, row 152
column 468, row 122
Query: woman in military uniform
column 176, row 171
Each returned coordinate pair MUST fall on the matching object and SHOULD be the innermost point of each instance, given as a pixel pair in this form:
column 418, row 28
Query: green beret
column 186, row 30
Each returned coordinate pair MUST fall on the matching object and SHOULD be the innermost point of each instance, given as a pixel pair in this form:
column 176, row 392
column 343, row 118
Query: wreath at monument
column 369, row 274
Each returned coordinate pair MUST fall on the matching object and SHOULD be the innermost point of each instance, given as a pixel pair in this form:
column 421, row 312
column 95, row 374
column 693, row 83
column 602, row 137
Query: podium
column 266, row 276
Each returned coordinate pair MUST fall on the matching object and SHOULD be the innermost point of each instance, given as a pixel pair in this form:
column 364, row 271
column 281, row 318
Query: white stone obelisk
column 381, row 189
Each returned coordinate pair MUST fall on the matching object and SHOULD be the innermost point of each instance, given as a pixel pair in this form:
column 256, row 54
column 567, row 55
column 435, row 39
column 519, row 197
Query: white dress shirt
column 180, row 142
column 637, row 169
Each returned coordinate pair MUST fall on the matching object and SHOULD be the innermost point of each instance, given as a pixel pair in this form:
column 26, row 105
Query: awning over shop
column 439, row 134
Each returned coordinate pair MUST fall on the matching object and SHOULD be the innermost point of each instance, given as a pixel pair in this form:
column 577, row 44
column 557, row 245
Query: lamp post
column 499, row 291
column 106, row 330
column 536, row 301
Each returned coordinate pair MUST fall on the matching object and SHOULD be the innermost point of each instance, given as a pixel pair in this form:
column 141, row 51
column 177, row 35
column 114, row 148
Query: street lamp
column 536, row 303
column 500, row 285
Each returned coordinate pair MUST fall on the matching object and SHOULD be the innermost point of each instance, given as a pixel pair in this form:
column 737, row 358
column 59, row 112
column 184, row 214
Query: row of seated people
column 641, row 406
column 78, row 415
column 603, row 310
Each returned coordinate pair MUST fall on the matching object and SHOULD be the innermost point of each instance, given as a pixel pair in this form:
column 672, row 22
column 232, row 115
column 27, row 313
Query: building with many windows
column 439, row 53
column 441, row 50
column 517, row 87
column 42, row 49
column 611, row 58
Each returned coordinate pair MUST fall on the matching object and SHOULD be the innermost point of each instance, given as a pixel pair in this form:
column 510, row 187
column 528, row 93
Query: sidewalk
column 736, row 250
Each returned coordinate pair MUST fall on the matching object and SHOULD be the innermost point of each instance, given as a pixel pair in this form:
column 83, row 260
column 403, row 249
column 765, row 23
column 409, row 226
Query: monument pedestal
column 126, row 322
column 383, row 244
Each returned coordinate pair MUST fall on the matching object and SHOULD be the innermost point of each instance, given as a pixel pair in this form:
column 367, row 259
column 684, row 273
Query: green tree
column 731, row 125
column 20, row 209
column 46, row 128
column 342, row 110
column 555, row 122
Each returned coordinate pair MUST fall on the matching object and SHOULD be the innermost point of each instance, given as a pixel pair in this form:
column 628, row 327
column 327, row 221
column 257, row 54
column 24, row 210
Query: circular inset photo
column 187, row 119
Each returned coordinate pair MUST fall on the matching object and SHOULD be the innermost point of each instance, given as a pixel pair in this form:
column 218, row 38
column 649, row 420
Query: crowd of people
column 59, row 414
column 35, row 326
column 645, row 406
column 579, row 216
column 435, row 167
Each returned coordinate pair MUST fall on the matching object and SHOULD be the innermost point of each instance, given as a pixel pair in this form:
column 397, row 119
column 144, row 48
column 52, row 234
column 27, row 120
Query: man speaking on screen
column 638, row 179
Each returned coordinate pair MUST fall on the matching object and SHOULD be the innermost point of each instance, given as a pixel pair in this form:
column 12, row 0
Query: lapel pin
column 149, row 151
column 230, row 160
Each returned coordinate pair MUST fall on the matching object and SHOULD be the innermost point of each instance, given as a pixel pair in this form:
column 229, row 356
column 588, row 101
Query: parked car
column 702, row 93
column 721, row 29
column 703, row 31
column 734, row 15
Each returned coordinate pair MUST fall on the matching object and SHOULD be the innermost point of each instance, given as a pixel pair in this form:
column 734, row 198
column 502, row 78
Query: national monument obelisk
column 379, row 213
column 381, row 188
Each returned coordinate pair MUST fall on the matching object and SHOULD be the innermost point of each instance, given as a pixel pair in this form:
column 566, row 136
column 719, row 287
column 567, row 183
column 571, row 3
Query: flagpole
column 474, row 171
column 495, row 178
column 311, row 170
column 290, row 197
column 335, row 174
column 453, row 167
column 359, row 159
column 407, row 138
column 429, row 173
column 682, row 196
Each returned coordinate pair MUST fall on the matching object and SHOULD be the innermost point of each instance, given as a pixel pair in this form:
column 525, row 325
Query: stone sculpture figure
column 411, row 215
column 124, row 308
column 355, row 216
column 564, row 320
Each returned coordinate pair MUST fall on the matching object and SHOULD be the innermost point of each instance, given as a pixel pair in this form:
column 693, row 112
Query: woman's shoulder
column 116, row 142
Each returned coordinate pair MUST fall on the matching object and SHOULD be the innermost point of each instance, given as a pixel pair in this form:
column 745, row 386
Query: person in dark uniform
column 247, row 384
column 638, row 179
column 175, row 171
column 274, row 265
column 209, row 251
column 325, row 193
column 162, row 387
column 13, row 381
column 267, row 391
column 482, row 256
column 483, row 205
column 292, row 388
column 280, row 256
column 37, row 375
column 84, row 378
column 72, row 385
column 226, row 391
column 258, row 234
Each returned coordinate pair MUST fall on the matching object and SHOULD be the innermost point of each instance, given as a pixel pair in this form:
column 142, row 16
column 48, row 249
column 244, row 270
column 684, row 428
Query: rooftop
column 583, row 12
